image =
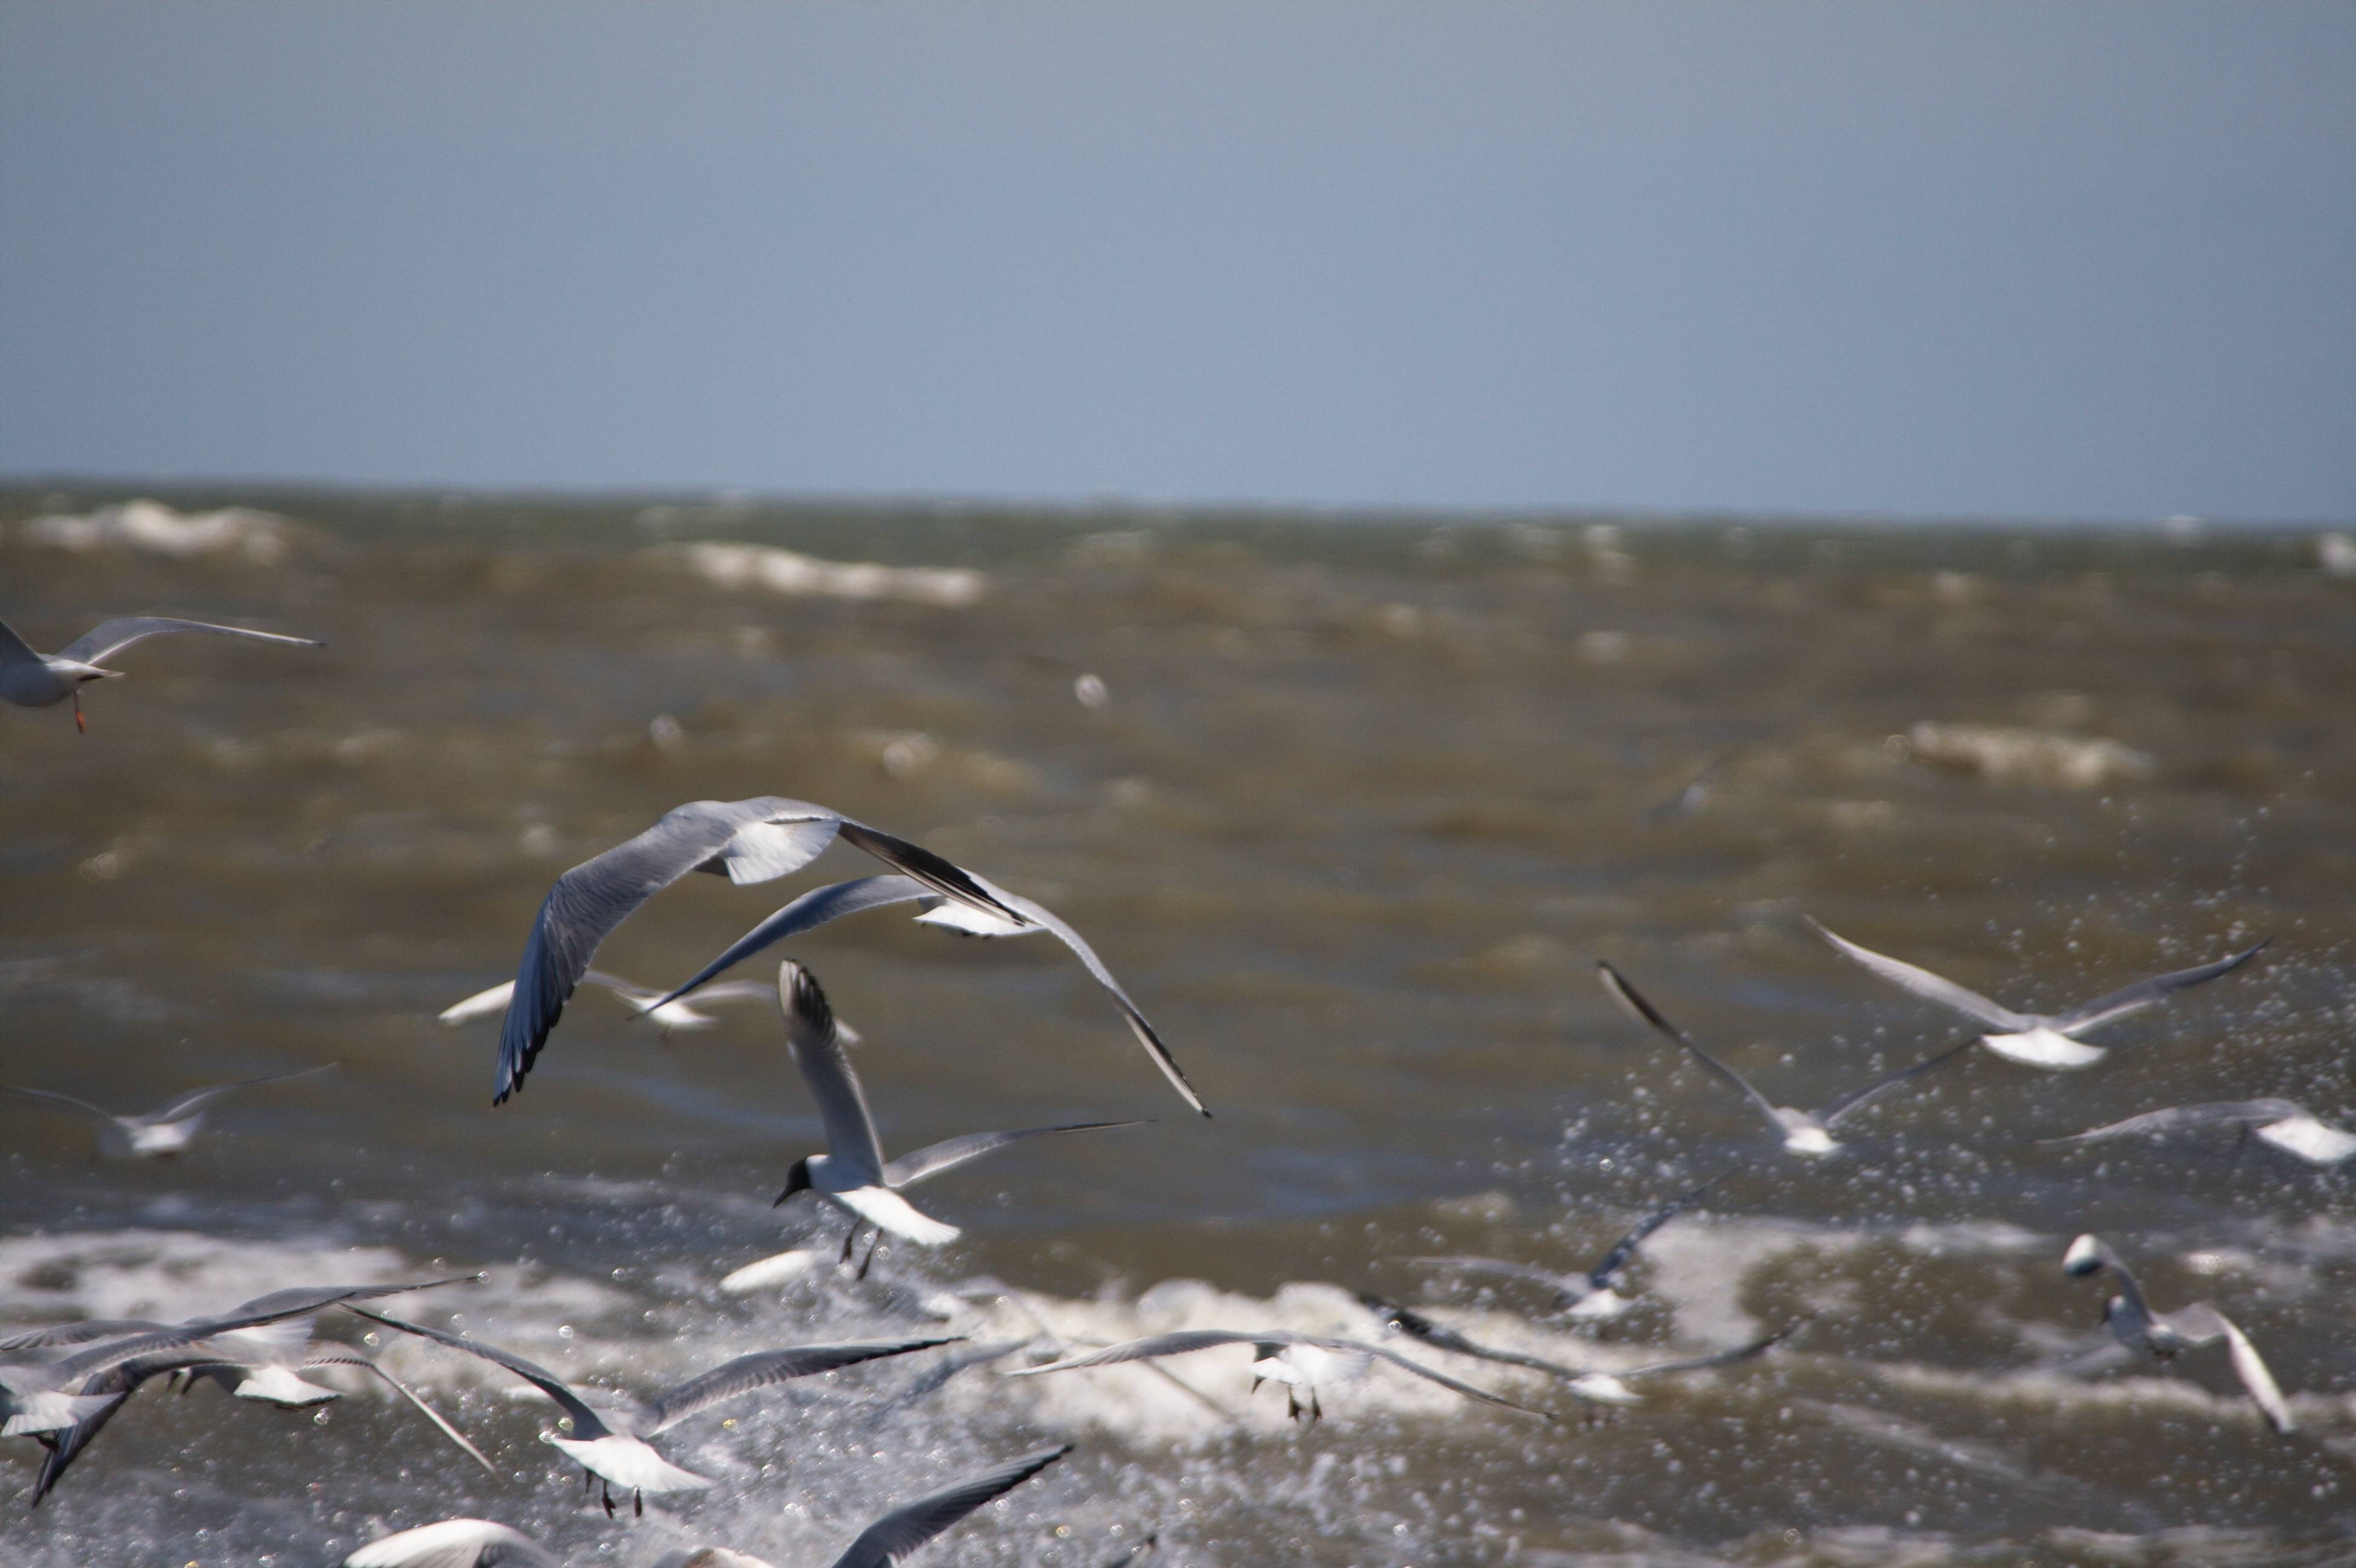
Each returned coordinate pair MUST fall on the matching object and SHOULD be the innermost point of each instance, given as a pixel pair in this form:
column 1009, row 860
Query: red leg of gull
column 80, row 723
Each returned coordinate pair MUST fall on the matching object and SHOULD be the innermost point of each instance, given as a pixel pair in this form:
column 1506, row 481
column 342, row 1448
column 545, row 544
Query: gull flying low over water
column 479, row 1543
column 2133, row 1324
column 645, row 1003
column 1299, row 1361
column 1802, row 1131
column 611, row 1443
column 1591, row 1297
column 158, row 1133
column 1595, row 1386
column 749, row 841
column 33, row 679
column 853, row 1174
column 821, row 904
column 2041, row 1040
column 2285, row 1124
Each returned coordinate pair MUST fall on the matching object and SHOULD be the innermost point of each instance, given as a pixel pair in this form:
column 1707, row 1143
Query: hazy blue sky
column 1992, row 259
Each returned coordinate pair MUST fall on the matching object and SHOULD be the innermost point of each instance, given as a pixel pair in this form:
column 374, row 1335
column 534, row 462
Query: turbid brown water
column 1360, row 806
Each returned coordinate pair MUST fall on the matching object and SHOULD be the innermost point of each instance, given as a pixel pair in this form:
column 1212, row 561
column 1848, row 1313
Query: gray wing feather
column 1718, row 1359
column 818, row 1050
column 277, row 1306
column 62, row 1102
column 1147, row 1348
column 1644, row 1012
column 2142, row 993
column 2201, row 1323
column 450, row 1544
column 1926, row 984
column 2177, row 1117
column 1601, row 1276
column 196, row 1100
column 1442, row 1379
column 1499, row 1266
column 587, row 1425
column 1857, row 1098
column 114, row 636
column 345, row 1356
column 15, row 649
column 764, row 1369
column 908, row 1527
column 807, row 913
column 81, row 1333
column 915, row 1167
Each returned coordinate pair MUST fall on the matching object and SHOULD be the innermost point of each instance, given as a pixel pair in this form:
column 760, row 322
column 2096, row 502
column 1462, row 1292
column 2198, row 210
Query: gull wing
column 587, row 1425
column 1147, row 1349
column 1716, row 1359
column 453, row 1543
column 345, row 1356
column 1841, row 1105
column 1644, row 1012
column 114, row 635
column 62, row 1102
column 1601, row 1276
column 2090, row 1254
column 481, row 1004
column 908, row 1527
column 81, row 1333
column 909, row 1169
column 818, row 1050
column 915, row 859
column 196, row 1099
column 763, row 1369
column 807, row 913
column 15, row 649
column 1421, row 1370
column 1499, row 1266
column 1926, row 984
column 1417, row 1326
column 2144, row 993
column 2176, row 1117
column 2200, row 1324
column 596, row 895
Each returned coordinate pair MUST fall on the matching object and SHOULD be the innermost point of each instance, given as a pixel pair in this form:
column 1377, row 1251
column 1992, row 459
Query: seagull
column 963, row 917
column 898, row 1534
column 480, row 1544
column 666, row 1017
column 33, row 679
column 2041, row 1040
column 1590, row 1297
column 2283, row 1123
column 611, row 1443
column 853, row 1174
column 1046, row 1341
column 39, row 1396
column 2133, row 1323
column 750, row 840
column 159, row 1133
column 1299, row 1361
column 1593, row 1386
column 1804, row 1132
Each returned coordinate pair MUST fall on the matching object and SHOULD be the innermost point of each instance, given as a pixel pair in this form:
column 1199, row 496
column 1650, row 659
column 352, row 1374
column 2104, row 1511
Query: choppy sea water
column 1359, row 808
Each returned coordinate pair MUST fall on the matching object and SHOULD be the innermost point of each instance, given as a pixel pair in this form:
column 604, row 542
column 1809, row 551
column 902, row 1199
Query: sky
column 1916, row 260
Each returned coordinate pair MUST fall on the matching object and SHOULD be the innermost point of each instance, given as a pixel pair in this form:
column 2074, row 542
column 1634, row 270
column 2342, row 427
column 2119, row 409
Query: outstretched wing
column 909, row 1169
column 1151, row 1348
column 1602, row 1274
column 1629, row 998
column 1498, row 1266
column 453, row 1543
column 345, row 1356
column 587, row 1425
column 2200, row 1322
column 1415, row 1326
column 15, row 649
column 1442, row 1379
column 2142, row 993
column 1926, row 984
column 764, row 1369
column 807, row 913
column 114, row 636
column 196, row 1099
column 2177, row 1118
column 1718, row 1359
column 908, row 1527
column 62, row 1102
column 593, row 898
column 851, row 1138
column 1841, row 1105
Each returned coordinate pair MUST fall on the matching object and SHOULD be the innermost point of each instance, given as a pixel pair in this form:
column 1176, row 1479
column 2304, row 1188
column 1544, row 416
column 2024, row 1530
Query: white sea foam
column 791, row 573
column 260, row 537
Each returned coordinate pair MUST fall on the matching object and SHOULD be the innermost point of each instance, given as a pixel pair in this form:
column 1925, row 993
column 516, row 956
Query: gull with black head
column 2135, row 1325
column 1593, row 1296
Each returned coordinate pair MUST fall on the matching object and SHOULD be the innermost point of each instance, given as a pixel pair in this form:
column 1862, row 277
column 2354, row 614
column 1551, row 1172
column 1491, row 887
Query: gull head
column 796, row 1180
column 2085, row 1256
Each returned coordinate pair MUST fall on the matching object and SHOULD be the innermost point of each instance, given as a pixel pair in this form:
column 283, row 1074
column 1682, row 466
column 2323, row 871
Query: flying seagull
column 749, row 841
column 1594, row 1386
column 610, row 1444
column 1299, row 1361
column 2133, row 1324
column 898, row 1534
column 158, row 1133
column 666, row 1017
column 821, row 904
column 853, row 1174
column 33, row 679
column 2283, row 1123
column 453, row 1543
column 1591, row 1297
column 2041, row 1040
column 1802, row 1131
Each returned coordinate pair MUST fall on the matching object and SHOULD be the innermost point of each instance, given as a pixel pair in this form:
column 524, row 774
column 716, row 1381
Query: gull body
column 155, row 1134
column 2038, row 1039
column 609, row 1441
column 31, row 680
column 853, row 1174
column 2135, row 1325
column 746, row 841
column 1593, row 1296
column 1299, row 1361
column 1013, row 916
column 2285, row 1124
column 1807, row 1132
